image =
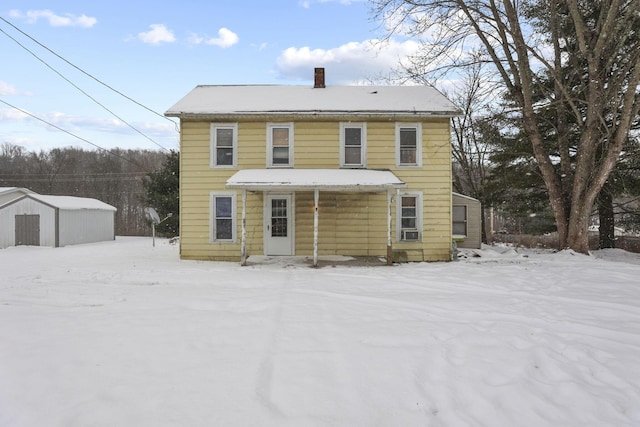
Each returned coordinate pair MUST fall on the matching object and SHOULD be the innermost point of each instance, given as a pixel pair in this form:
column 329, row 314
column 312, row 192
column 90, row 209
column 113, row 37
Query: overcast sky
column 155, row 52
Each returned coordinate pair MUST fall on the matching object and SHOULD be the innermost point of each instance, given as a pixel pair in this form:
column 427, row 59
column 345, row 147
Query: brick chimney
column 318, row 78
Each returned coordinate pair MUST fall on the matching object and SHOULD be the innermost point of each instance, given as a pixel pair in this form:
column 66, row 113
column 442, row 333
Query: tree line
column 117, row 177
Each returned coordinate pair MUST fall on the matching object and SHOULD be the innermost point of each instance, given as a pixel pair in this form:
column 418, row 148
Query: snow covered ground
column 124, row 334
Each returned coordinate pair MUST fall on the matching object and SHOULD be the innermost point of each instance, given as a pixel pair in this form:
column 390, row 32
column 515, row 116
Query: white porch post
column 316, row 197
column 243, row 242
column 389, row 240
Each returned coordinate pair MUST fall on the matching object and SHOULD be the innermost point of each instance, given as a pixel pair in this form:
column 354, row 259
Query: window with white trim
column 279, row 144
column 459, row 215
column 409, row 216
column 223, row 217
column 224, row 145
column 353, row 145
column 408, row 144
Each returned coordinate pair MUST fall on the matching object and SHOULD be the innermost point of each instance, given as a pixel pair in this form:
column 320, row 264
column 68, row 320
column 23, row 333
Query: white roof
column 346, row 180
column 465, row 197
column 71, row 202
column 15, row 189
column 411, row 101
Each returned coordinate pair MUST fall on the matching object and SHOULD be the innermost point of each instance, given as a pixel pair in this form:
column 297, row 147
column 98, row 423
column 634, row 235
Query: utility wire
column 80, row 89
column 91, row 76
column 72, row 134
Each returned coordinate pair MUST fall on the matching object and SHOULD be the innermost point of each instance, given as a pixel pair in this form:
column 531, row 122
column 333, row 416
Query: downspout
column 316, row 197
column 243, row 242
column 389, row 240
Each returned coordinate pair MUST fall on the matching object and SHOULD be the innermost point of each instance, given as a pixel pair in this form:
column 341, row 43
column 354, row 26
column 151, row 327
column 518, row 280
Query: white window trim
column 213, row 145
column 363, row 147
column 212, row 216
column 419, row 208
column 418, row 128
column 270, row 126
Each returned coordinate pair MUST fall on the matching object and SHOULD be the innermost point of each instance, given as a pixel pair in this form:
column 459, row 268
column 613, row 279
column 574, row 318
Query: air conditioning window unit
column 409, row 234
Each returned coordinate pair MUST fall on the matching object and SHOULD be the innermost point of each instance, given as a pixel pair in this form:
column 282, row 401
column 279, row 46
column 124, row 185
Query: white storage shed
column 37, row 220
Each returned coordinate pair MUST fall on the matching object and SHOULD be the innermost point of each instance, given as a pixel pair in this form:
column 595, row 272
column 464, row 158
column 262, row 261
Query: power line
column 69, row 133
column 81, row 90
column 90, row 76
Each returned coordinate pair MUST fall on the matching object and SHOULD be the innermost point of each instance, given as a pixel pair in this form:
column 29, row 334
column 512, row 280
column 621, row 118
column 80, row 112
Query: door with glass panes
column 278, row 227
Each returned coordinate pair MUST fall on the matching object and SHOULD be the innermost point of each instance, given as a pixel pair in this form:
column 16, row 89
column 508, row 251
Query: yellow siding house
column 313, row 171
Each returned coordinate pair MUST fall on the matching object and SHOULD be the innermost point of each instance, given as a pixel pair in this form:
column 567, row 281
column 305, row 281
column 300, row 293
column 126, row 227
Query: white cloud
column 55, row 20
column 226, row 38
column 350, row 63
column 195, row 39
column 68, row 122
column 12, row 115
column 7, row 89
column 157, row 34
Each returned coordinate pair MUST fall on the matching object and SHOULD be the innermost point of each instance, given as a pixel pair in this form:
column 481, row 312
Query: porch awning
column 340, row 180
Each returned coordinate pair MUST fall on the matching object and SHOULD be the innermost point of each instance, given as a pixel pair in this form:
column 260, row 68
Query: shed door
column 28, row 230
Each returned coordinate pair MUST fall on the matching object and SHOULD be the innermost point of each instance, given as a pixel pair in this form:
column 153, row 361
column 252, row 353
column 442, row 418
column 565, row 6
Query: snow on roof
column 411, row 101
column 465, row 197
column 309, row 179
column 15, row 189
column 72, row 203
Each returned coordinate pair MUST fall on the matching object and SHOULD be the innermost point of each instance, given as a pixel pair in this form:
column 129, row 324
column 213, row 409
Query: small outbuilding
column 467, row 221
column 38, row 220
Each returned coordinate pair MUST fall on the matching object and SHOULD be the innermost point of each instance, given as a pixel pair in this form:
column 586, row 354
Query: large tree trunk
column 578, row 227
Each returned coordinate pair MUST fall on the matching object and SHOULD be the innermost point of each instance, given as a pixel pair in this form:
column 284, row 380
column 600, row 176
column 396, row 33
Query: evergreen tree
column 162, row 194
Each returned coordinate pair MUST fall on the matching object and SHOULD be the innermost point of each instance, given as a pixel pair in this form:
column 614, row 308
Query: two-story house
column 322, row 170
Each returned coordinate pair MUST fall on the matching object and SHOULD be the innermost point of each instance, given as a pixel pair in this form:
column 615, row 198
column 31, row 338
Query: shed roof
column 412, row 101
column 346, row 180
column 4, row 190
column 462, row 196
column 67, row 202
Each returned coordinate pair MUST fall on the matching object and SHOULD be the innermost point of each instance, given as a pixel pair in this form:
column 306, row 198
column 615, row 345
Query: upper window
column 224, row 145
column 408, row 144
column 409, row 214
column 353, row 145
column 459, row 220
column 223, row 217
column 280, row 144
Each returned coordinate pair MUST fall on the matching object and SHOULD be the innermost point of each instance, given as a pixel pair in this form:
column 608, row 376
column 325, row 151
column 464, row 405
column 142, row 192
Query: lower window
column 223, row 217
column 409, row 214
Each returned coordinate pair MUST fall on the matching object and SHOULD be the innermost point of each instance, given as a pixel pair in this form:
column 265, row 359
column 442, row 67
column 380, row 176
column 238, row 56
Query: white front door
column 278, row 227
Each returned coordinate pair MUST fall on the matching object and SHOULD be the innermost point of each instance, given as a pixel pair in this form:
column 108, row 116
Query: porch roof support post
column 389, row 240
column 316, row 197
column 243, row 241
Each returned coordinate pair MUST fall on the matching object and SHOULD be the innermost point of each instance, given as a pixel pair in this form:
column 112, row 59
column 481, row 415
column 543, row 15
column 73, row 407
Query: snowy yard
column 124, row 334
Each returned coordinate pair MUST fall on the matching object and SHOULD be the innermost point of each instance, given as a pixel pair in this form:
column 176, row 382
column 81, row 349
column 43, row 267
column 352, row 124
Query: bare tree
column 523, row 39
column 470, row 148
